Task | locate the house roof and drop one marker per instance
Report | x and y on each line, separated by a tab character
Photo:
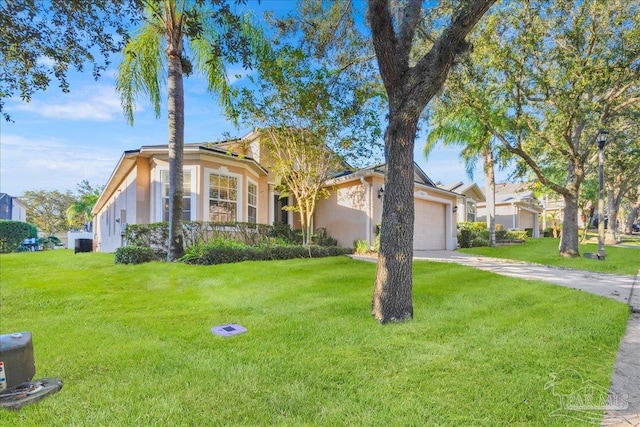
507	192
521	194
419	177
380	169
471	190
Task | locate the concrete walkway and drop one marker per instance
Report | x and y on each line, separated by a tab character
625	382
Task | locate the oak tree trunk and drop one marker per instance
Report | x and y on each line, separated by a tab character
409	89
569	241
392	299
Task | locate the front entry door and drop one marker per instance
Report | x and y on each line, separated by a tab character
280	214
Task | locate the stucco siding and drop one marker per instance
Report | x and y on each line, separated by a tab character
119	211
344	213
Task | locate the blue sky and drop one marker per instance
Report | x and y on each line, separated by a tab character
58	140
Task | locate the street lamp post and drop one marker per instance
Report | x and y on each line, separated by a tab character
602	140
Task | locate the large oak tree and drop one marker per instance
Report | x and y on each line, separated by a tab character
411	81
544	76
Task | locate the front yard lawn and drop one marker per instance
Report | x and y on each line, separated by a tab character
619	260
133	347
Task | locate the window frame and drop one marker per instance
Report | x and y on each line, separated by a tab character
471	202
250	183
159	211
223	172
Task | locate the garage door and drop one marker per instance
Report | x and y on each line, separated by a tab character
429	226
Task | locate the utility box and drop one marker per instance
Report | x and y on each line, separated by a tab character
83	245
17	369
16	360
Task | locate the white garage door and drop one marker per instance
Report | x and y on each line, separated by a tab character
429	226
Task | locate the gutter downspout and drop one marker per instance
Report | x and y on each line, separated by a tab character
369	209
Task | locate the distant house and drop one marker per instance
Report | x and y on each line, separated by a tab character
470	195
517	208
230	181
12	208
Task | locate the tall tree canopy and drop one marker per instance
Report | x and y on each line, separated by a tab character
176	39
544	76
314	100
48	209
79	213
452	123
42	40
411	80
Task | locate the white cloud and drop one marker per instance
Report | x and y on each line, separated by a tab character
95	103
50	164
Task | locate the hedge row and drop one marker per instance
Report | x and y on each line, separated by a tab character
12	233
225	252
474	234
156	235
135	255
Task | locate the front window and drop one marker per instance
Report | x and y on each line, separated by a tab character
223	198
186	201
252	203
471	210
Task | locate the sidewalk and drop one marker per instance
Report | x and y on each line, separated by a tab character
626	289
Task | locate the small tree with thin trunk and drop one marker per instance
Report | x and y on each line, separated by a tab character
303	162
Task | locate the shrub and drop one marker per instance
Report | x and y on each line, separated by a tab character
134	255
516	235
322	238
501	234
49	242
468	231
465	237
479	241
12	233
361	247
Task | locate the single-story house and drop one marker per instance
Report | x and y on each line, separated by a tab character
469	195
228	182
517	208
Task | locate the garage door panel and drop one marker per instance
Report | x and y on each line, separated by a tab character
429	226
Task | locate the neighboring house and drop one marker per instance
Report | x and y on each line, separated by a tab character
517	208
12	208
469	195
230	181
553	211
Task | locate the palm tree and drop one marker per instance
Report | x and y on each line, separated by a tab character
462	127
176	38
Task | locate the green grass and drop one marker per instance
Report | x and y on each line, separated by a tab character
133	347
619	260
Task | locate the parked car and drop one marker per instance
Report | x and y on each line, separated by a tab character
635	227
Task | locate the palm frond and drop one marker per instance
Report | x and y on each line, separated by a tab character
142	69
